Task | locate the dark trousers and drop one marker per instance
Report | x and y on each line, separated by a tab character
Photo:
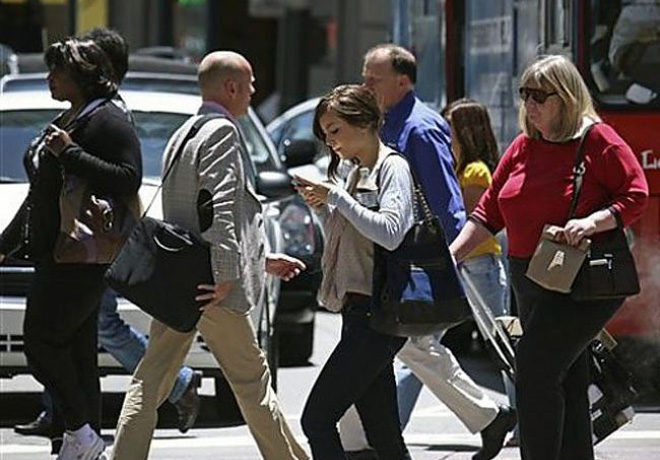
61	340
553	369
359	371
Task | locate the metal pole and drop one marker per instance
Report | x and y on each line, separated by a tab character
73	16
165	12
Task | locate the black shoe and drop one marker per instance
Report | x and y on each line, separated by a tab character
188	405
365	454
492	437
40	426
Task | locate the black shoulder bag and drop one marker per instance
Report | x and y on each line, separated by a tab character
416	288
608	271
161	264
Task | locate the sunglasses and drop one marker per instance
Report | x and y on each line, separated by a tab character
538	95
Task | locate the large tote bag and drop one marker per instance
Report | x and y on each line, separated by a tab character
93	227
416	288
159	269
162	264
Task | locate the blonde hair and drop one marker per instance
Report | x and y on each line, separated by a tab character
557	74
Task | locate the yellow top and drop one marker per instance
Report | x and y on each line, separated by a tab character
477	174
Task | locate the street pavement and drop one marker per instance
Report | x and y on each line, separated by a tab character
434	433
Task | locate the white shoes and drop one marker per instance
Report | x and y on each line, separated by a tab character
81	445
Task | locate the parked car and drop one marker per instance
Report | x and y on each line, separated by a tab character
157	115
7	60
302	234
293	136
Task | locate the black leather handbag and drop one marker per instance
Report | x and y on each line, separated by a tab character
608	270
159	269
161	265
416	288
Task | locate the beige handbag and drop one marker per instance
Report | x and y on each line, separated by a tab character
555	264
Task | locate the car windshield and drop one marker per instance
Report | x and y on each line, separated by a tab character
624	52
19	127
297	128
161	85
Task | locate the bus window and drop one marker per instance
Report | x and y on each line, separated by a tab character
557	29
624	52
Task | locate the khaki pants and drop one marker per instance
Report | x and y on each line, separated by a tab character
232	340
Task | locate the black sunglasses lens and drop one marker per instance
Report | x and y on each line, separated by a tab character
538	95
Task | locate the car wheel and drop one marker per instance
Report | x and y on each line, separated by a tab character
296	344
225	403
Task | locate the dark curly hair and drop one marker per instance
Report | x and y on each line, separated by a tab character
114	46
356	105
86	63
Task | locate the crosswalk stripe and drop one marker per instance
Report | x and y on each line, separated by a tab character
192	442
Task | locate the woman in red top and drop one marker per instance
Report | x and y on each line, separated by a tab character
531	187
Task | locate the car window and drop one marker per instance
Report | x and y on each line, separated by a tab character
256	146
154	130
298	127
161	85
17	130
134	83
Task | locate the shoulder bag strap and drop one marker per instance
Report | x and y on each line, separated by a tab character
424	208
579	168
197	125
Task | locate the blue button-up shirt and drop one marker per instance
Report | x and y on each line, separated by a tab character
423	136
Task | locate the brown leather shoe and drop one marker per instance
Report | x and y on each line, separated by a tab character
188	405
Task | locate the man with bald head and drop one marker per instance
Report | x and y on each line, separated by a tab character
210	169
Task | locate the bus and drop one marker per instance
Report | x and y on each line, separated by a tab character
478	49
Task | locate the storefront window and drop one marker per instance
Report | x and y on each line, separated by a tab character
190	29
624	52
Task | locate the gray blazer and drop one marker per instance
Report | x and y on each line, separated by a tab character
213	160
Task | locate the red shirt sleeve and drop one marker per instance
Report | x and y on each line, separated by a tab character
620	173
487	212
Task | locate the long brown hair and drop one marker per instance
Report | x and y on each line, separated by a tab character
472	132
356	105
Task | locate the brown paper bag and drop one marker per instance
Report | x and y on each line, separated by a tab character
555	264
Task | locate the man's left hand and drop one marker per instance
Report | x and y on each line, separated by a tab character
283	266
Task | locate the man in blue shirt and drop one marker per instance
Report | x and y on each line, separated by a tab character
423	136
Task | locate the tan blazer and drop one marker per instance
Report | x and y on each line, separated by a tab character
213	160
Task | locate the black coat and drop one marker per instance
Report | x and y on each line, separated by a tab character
105	152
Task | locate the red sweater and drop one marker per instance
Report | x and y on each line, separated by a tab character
532	186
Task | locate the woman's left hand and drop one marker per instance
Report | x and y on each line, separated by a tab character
576	229
315	194
57	139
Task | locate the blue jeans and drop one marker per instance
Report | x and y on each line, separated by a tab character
126	345
359	371
486	272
